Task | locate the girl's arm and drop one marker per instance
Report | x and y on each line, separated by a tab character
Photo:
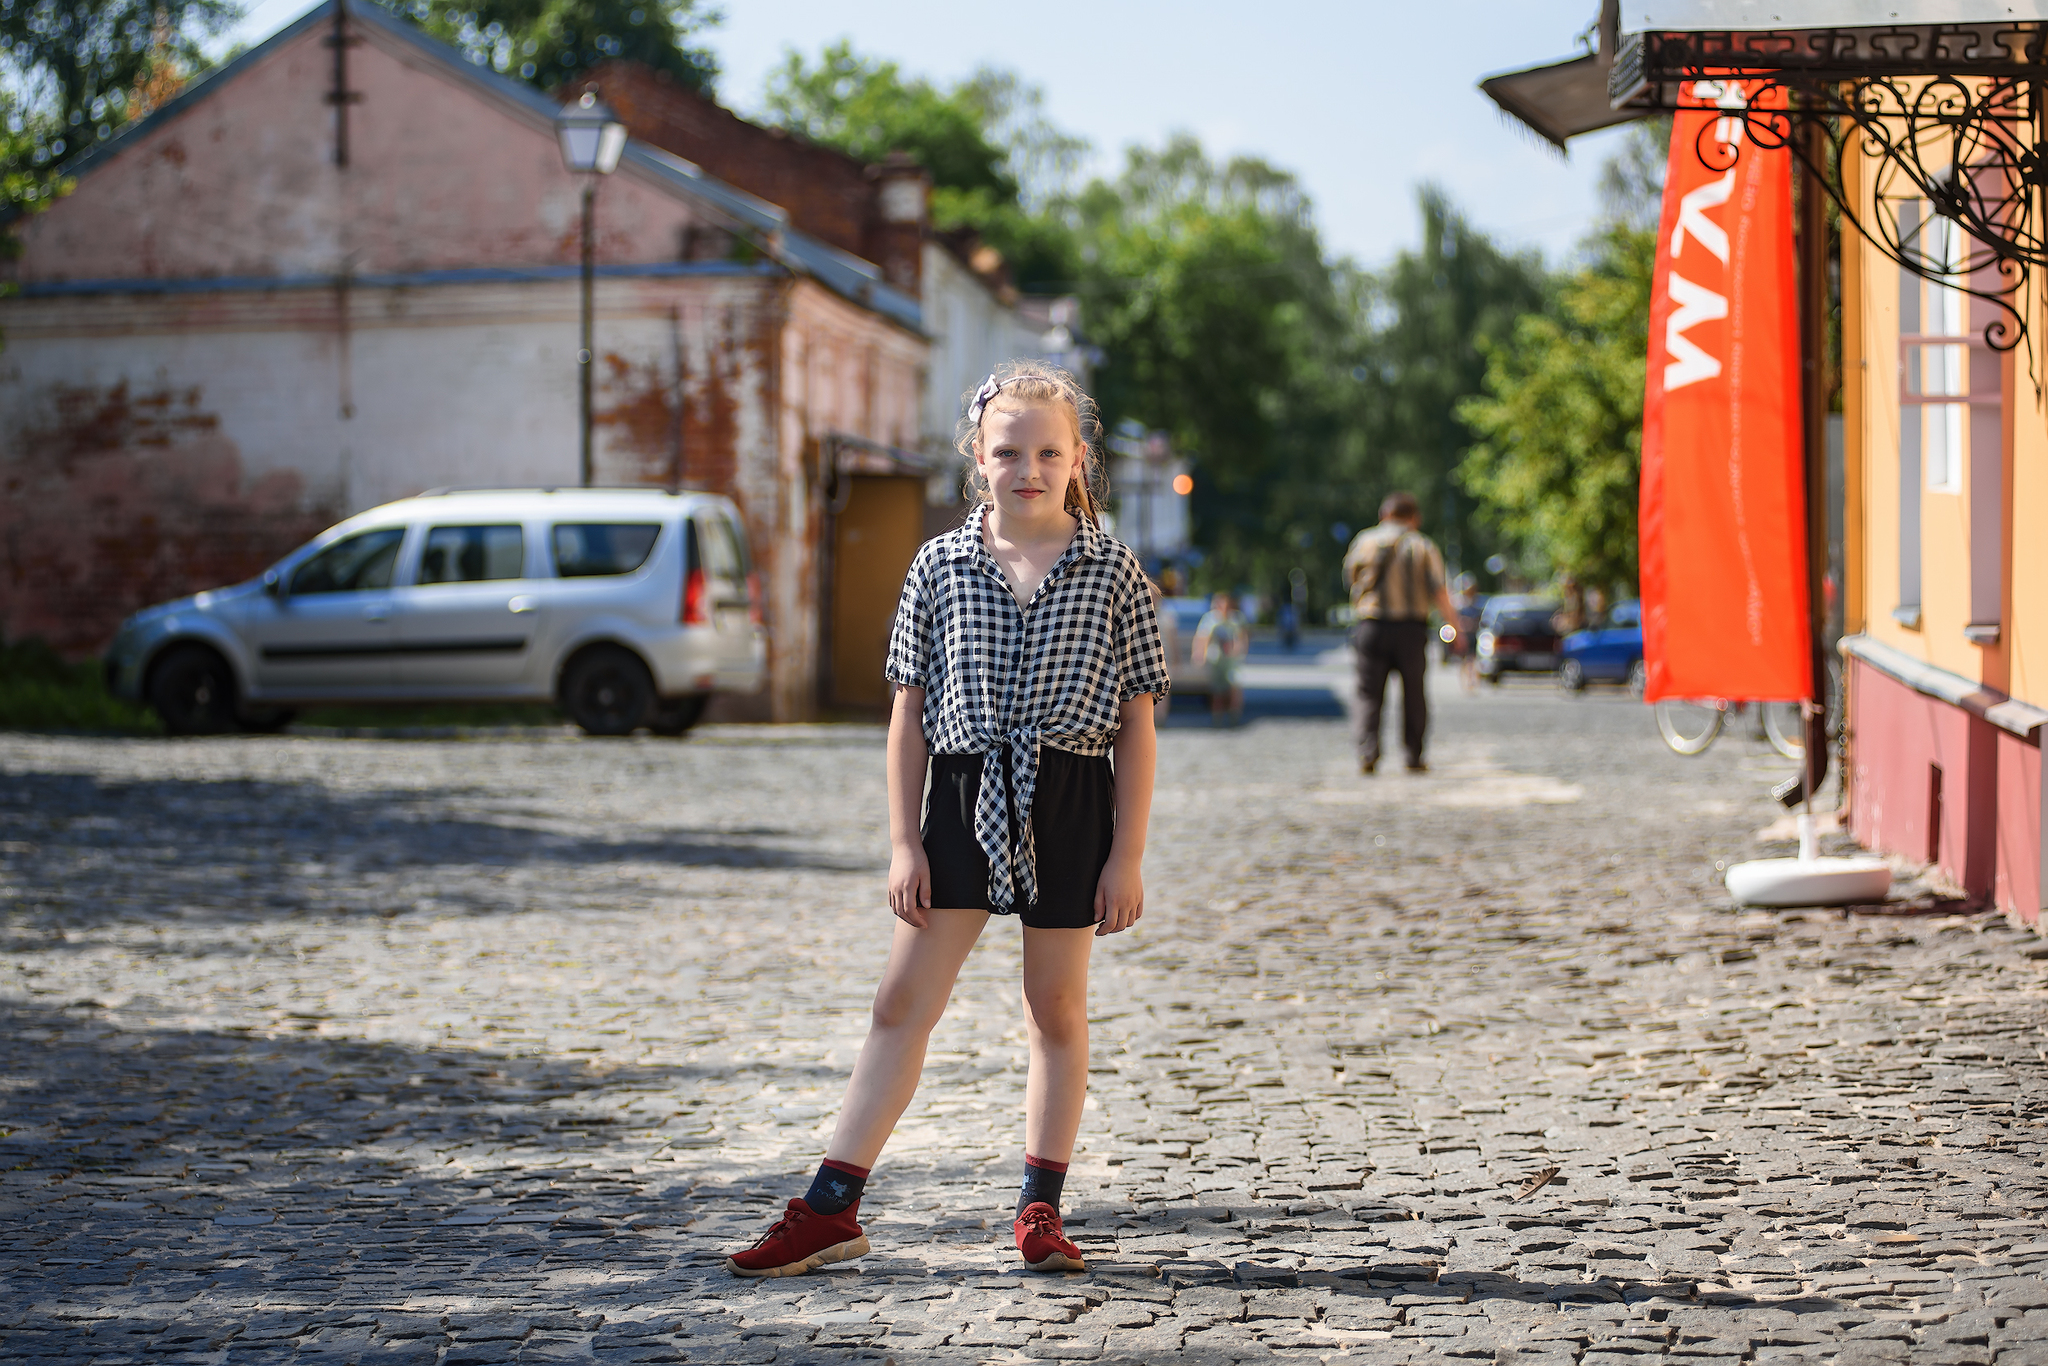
910	876
1120	895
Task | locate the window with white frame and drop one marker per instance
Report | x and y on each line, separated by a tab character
1945	365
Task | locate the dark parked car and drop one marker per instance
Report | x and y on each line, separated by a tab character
1515	636
1610	651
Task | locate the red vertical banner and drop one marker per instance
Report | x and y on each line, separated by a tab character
1723	522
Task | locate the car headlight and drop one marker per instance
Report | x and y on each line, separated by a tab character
1486	642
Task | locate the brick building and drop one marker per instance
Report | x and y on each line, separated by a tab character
885	502
308	286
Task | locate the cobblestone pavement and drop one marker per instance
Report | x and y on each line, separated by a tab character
483	1051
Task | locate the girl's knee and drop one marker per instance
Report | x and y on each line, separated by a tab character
1058	1017
899	1009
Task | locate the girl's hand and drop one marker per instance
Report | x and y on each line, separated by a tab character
1119	897
910	885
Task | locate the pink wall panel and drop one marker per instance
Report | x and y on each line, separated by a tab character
1899	737
2018	881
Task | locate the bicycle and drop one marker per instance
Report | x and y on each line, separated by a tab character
1690	725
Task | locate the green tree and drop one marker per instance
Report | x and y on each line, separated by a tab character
1561	422
1558	466
27	184
554	43
79	67
1424	327
866	107
996	163
1206	287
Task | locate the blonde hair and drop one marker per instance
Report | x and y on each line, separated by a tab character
1034	381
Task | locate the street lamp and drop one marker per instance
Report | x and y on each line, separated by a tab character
592	138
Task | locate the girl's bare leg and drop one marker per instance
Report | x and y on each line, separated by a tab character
915	987
1056	1012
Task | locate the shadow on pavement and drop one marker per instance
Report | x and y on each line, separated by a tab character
244	847
86	1093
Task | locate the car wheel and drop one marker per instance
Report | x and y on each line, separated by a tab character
676	715
193	690
1571	676
1638	678
607	691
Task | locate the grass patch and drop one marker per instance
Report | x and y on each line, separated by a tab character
40	691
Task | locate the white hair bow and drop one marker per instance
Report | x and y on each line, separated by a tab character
990	387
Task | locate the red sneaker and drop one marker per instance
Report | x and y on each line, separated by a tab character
1043	1242
801	1241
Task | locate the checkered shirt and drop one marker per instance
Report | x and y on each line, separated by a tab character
996	675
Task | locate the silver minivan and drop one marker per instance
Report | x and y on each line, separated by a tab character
627	607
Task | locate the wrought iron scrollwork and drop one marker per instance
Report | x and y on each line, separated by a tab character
1949	119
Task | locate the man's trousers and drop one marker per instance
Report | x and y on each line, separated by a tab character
1385	647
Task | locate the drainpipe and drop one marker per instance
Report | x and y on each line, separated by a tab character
1813	381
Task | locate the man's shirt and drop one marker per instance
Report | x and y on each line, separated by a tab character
1395	573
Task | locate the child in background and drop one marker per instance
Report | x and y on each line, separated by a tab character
1222	639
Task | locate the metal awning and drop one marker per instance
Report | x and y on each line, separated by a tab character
849	454
1561	100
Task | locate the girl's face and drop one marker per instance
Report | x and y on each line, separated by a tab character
1029	456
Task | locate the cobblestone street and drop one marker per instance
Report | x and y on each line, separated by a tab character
484	1050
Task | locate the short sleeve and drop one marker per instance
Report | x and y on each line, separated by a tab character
910	637
1140	654
1436	572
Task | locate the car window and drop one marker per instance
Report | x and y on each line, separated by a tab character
354	564
1524	623
738	531
1626	614
586	549
721	552
1518	614
470	554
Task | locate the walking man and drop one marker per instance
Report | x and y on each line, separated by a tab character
1396	575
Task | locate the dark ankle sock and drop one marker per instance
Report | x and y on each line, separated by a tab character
1043	1180
836	1186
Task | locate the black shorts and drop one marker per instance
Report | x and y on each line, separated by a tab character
1073	820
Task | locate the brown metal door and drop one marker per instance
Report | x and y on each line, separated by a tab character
873	542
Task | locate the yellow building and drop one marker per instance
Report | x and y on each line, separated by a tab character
1929	142
1946	598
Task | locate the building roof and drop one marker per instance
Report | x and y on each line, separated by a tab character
766	224
1560	100
1699	16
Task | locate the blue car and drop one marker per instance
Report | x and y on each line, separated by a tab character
1610	652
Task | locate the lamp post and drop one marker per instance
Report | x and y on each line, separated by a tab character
591	138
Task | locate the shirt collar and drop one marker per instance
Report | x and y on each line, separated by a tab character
964	541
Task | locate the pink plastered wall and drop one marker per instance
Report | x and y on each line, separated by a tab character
2017	885
1899	738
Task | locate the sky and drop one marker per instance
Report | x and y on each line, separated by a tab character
1363	100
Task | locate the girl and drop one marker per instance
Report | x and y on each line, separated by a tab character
1222	639
1025	652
